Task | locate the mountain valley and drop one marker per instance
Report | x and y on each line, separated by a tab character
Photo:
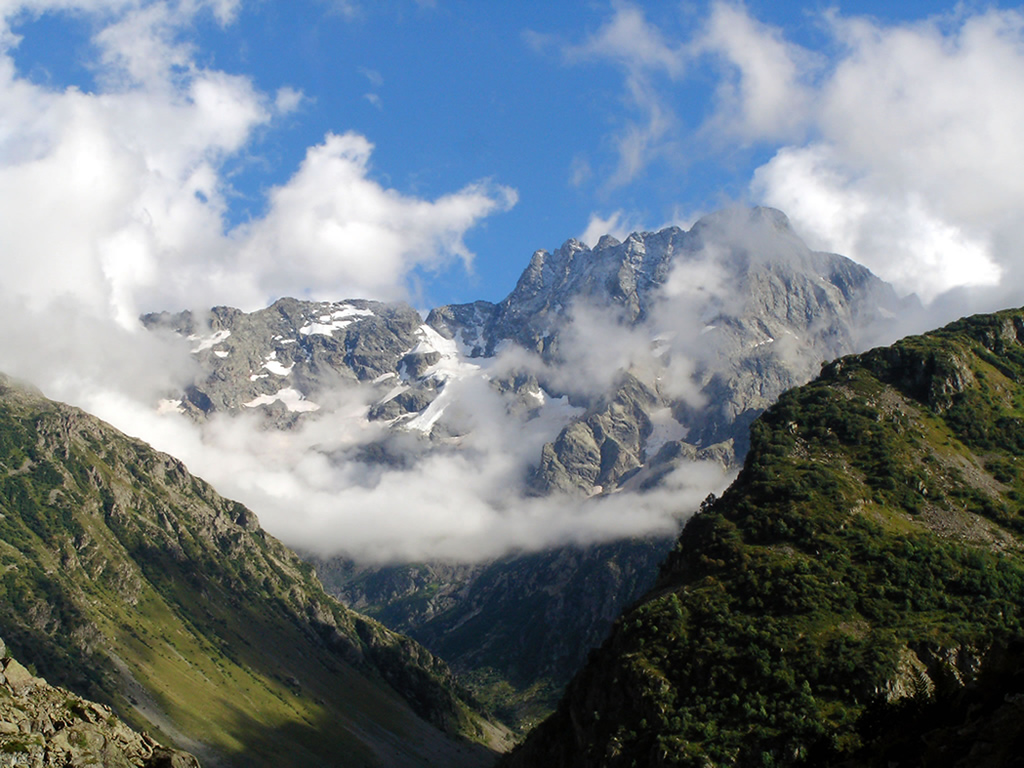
623	376
849	593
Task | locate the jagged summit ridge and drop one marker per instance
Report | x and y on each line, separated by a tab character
731	312
631	276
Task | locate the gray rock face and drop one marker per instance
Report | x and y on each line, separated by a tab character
41	725
691	335
290	353
767	312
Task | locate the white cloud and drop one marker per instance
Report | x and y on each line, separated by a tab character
619	225
761	95
288	100
331	231
895	144
631	40
375	78
914	168
119	197
898	238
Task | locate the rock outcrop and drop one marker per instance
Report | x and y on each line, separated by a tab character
49	727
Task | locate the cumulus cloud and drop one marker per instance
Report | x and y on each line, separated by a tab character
911	168
330	227
120	196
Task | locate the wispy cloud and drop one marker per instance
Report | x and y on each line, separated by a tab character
641	51
619	225
762	94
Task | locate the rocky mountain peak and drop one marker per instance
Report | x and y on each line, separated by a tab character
730	312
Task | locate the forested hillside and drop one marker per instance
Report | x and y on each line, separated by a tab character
858	585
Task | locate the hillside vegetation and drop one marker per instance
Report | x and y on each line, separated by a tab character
857	587
129	581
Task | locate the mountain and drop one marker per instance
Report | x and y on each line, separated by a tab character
852	599
715	322
129	581
625	364
44	725
738	302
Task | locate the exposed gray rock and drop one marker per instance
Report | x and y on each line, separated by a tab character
289	353
772	312
42	725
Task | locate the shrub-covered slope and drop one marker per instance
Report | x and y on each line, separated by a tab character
128	580
858	585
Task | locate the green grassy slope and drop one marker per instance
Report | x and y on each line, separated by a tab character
130	581
862	575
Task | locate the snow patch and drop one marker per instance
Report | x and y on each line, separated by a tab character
395	392
208	341
169	406
293	400
277	369
452	364
341	316
220	354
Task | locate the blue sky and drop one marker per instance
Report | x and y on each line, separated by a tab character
535	121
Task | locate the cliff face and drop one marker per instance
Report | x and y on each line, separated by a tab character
857	586
127	579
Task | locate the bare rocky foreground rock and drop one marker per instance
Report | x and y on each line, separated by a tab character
42	726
